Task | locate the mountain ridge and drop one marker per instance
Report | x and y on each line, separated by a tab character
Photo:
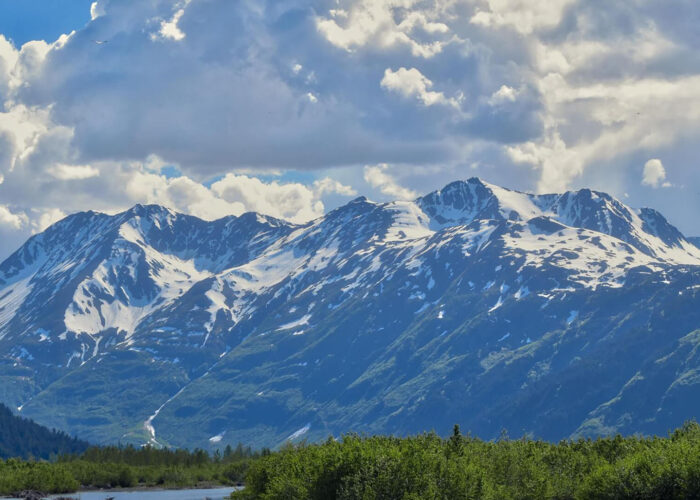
153	326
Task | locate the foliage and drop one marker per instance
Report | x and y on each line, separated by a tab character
379	467
23	438
125	467
427	466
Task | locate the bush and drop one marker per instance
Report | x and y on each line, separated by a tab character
427	466
112	467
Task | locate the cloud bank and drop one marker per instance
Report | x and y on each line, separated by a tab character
288	107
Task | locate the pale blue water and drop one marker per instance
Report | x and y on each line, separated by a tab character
214	494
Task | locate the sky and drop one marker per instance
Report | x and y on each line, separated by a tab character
294	107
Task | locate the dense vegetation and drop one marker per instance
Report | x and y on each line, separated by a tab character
429	467
372	468
125	467
23	438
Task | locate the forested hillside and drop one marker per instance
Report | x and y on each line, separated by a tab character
21	437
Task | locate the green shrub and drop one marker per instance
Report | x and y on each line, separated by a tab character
461	468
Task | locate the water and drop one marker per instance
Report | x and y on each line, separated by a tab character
214	494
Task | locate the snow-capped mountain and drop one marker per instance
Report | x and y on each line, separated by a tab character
556	315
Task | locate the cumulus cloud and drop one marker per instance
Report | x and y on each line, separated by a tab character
557	75
328	186
44	218
169	29
543	95
503	95
411	83
378	177
112	187
67	172
645	114
11	220
385	24
525	16
654	174
96	10
292	201
207	85
42	181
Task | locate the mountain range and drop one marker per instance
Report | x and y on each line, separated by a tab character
555	316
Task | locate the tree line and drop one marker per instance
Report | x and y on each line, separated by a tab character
126	467
21	437
426	466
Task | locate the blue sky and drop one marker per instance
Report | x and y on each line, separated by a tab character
26	20
293	107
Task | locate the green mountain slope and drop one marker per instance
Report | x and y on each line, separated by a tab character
21	437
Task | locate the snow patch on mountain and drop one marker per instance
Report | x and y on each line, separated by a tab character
304	320
409	222
127	286
95	275
11	298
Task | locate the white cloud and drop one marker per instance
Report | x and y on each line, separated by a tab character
82	129
42	177
40	173
503	95
525	16
11	220
411	83
96	10
582	53
654	174
170	29
8	60
329	186
21	127
645	114
182	194
293	201
385	24
378	177
19	65
234	194
45	218
70	172
186	101
600	101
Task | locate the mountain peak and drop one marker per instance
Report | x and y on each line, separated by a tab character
460	202
140	307
149	210
358	200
